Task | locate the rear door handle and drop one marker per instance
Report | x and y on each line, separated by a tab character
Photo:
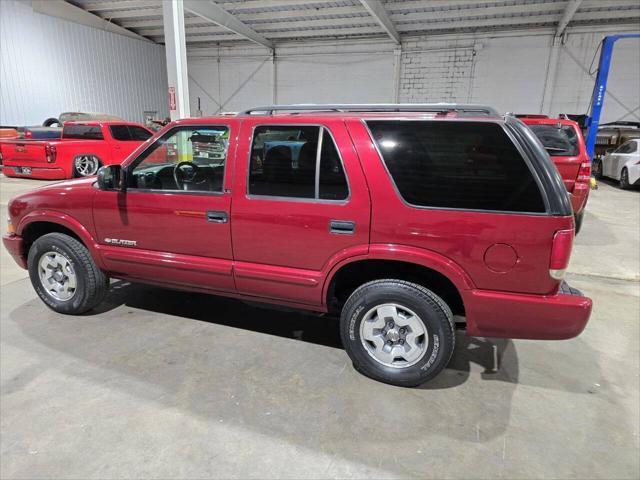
217	216
342	227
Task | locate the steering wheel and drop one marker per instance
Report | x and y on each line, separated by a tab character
185	173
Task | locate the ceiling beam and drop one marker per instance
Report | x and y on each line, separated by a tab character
377	11
119	5
569	12
218	15
158	23
128	14
69	12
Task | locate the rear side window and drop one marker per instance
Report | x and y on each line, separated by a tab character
559	141
82	132
464	165
126	133
629	147
296	162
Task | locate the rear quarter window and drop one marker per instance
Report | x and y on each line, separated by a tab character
458	165
82	132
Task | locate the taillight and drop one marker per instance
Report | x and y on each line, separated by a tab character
584	174
50	153
560	253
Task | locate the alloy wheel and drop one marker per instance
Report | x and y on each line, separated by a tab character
86	165
394	335
57	276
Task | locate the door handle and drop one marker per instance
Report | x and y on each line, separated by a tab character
342	227
217	216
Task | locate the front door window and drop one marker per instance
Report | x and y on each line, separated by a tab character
184	159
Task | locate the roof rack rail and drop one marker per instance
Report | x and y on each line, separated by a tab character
374	107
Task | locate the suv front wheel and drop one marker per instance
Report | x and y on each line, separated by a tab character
397	332
64	275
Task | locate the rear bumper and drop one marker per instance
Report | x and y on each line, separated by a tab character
36	172
15	247
579	197
543	317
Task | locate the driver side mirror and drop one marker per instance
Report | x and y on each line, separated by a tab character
112	177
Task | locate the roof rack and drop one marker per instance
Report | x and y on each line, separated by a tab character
374	107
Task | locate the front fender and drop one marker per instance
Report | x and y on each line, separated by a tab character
67	221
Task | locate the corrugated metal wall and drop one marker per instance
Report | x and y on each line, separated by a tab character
49	66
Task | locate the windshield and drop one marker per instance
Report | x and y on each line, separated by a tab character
558	140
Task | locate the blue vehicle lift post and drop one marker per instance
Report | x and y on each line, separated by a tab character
600	87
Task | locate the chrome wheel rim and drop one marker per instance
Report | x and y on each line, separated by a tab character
57	276
393	335
86	165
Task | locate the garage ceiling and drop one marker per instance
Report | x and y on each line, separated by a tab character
285	20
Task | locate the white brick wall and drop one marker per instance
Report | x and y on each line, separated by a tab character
507	71
435	71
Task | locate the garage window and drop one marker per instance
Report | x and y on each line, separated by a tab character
284	163
458	165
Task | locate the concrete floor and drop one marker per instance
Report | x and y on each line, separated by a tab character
162	384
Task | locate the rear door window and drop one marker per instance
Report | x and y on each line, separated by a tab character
82	132
296	162
128	133
456	164
559	141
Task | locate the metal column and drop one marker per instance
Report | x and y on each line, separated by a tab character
600	87
176	51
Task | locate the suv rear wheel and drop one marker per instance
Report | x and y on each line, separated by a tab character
64	275
397	332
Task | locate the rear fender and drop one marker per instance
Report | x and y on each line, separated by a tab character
403	253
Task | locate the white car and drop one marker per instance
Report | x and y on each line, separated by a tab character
623	164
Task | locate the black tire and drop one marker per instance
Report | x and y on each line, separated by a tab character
579	219
434	313
596	168
91	283
94	170
50	122
624	179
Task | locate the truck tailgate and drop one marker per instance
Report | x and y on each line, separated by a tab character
24	152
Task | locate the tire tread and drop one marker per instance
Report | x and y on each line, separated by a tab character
96	282
411	288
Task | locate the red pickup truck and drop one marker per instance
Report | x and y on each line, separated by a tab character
565	145
82	149
397	218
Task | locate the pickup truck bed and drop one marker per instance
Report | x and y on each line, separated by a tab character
83	148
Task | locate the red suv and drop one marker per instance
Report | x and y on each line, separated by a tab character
404	220
565	145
